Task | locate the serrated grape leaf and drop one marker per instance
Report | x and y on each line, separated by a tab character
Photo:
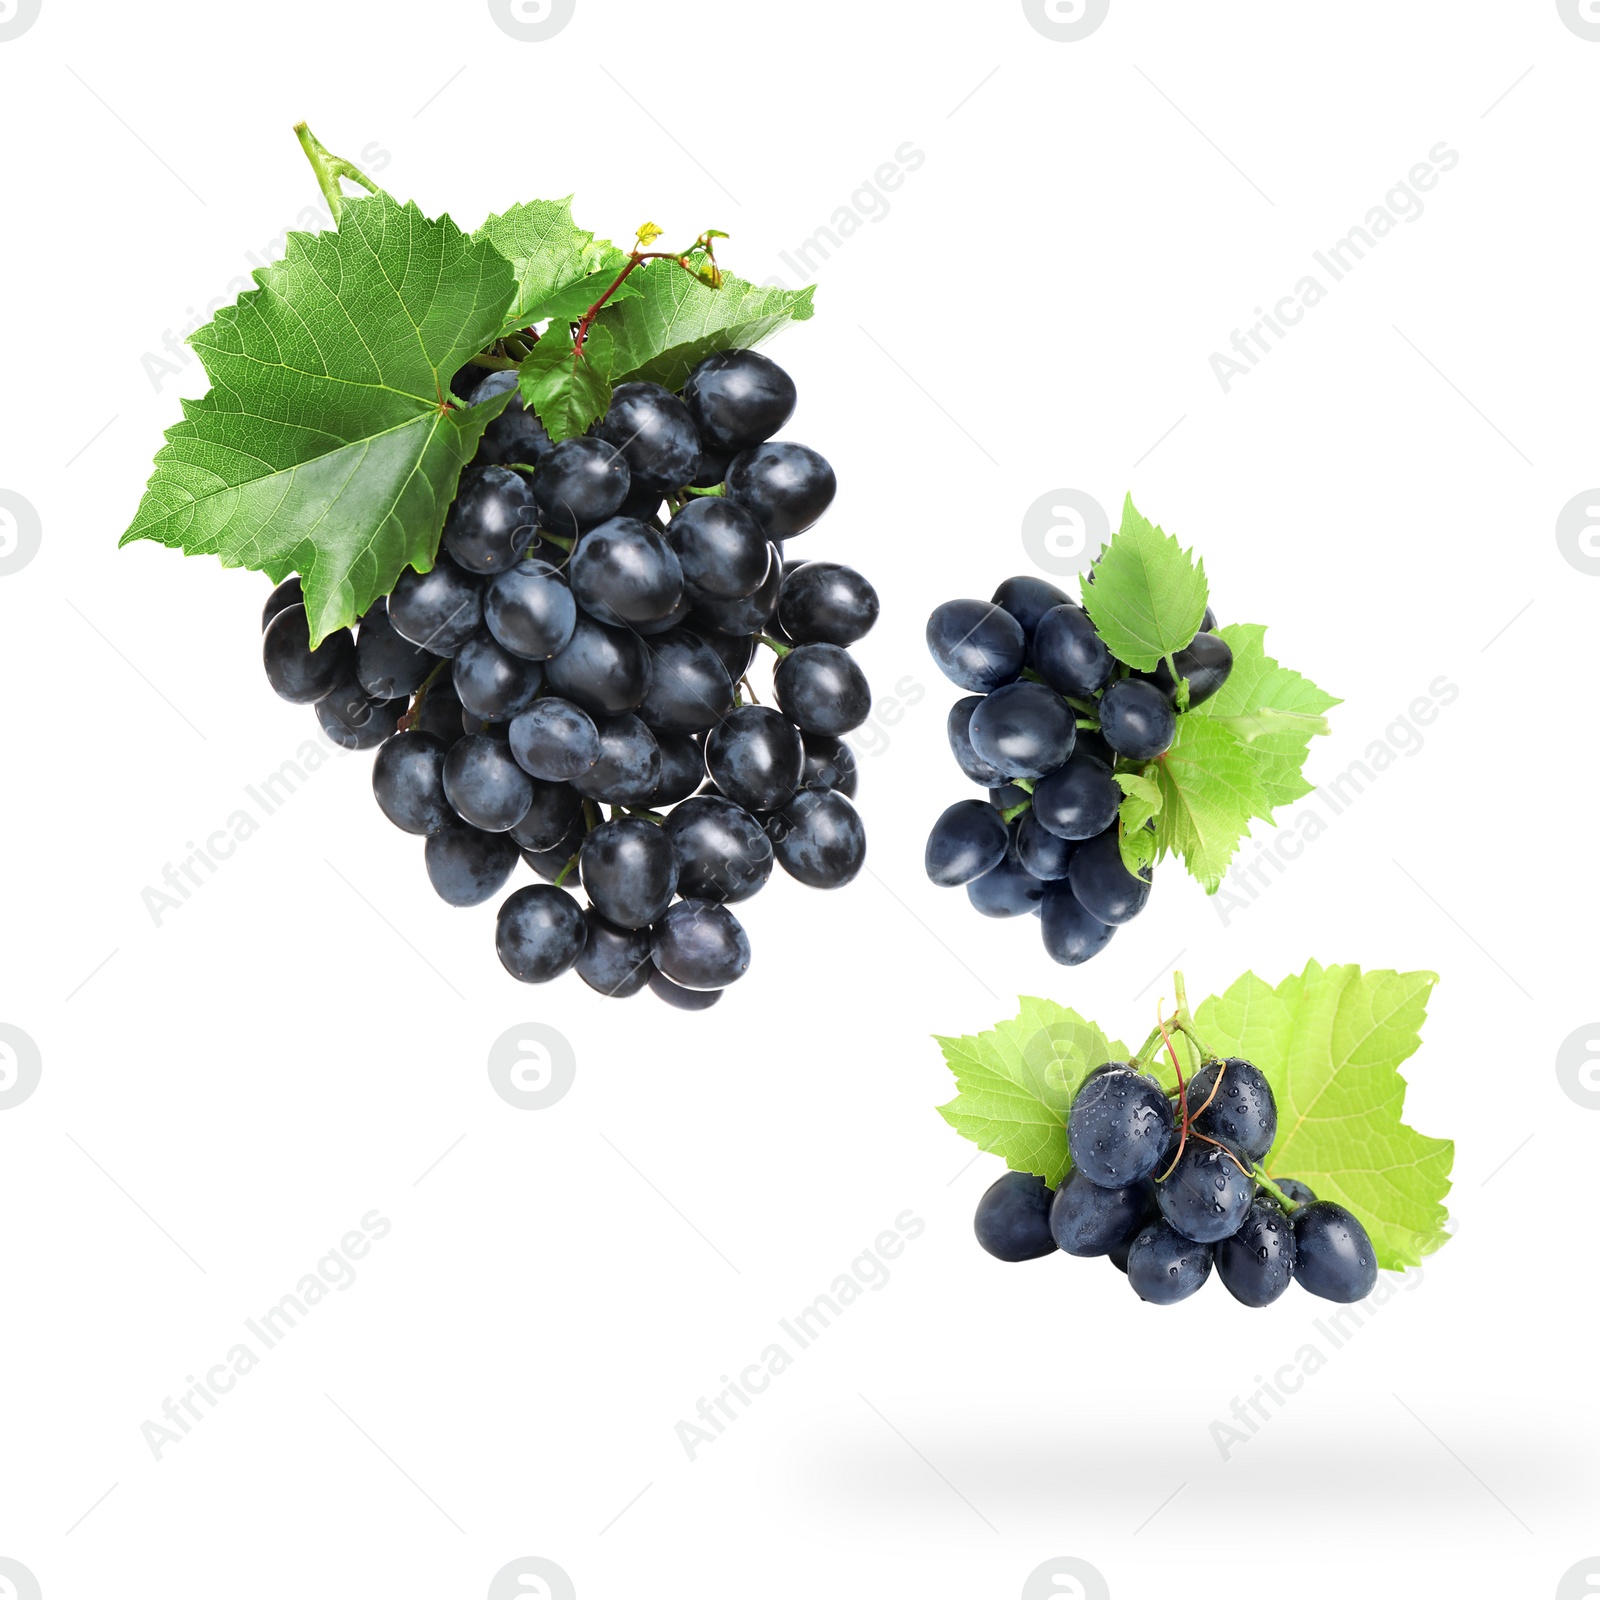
1016	1083
1137	844
325	445
568	304
1210	789
1148	597
676	321
1331	1042
547	251
1262	701
566	389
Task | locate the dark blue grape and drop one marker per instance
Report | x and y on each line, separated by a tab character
1117	1255
1023	730
1088	1220
976	644
1040	851
957	730
654	432
735	652
552	814
1164	1267
681	999
822	690
721	548
491	682
1008	796
554	740
1242	1114
822	602
1079	800
1297	1191
830	764
629	767
1207	1195
723	852
1068	654
968	840
819	839
530	610
755	757
1013	1218
1136	719
440	609
787	486
1257	1263
1027	599
551	864
689	687
1071	935
1104	886
1205	661
614	961
485	785
466	865
539	933
604	670
516	434
580	482
624	571
492	519
297	672
408	782
388	665
699	944
1118	1128
643	504
1334	1258
288	593
710	469
1008	890
439	712
738	398
354	720
629	871
751	614
683	768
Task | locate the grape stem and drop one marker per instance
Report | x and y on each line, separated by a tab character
706	272
566	871
330	170
1011	813
408	721
1181	1022
773	644
1260	1175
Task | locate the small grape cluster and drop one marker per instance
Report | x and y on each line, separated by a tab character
583	640
1052	718
1169	1185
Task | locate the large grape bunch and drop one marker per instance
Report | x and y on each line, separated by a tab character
566	687
1050	719
1169	1186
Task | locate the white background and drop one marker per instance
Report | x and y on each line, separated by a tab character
225	1095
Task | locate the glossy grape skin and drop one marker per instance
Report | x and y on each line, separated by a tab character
492	519
786	485
683	768
353	720
517	433
738	398
604	670
539	933
830	764
822	690
1040	851
676	996
1207	1195
579	483
818	839
1089	1220
654	432
408	782
1078	800
485	785
1206	661
699	944
1013	1218
441	712
976	644
467	866
689	687
1069	655
530	610
1023	730
1242	1114
751	614
624	571
553	811
491	682
288	593
614	961
1256	1264
735	652
968	840
1136	719
1164	1267
755	757
629	871
1117	1255
1008	890
1118	1128
1334	1258
388	665
957	726
1297	1191
554	740
440	609
629	767
1071	935
720	547
298	673
723	852
823	602
552	863
1104	886
1027	599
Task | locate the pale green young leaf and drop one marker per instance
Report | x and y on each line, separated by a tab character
1148	597
1210	789
547	251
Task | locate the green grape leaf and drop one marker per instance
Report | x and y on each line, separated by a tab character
1017	1081
1210	789
548	251
1331	1042
569	303
1148	597
676	321
567	390
327	444
1142	799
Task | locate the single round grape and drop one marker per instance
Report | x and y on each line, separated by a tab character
755	757
1118	1128
440	609
485	785
629	871
491	682
579	483
830	764
822	690
822	602
819	839
1257	1263
1078	800
643	504
1023	730
723	852
297	672
466	865
738	398
553	811
1207	1195
735	652
654	432
530	610
539	933
1013	1218
1069	655
1007	797
968	840
388	665
623	571
1089	1220
1297	1191
492	518
679	998
440	712
787	485
1242	1114
699	944
517	433
629	767
1136	719
354	720
614	961
1091	744
1040	851
958	730
1164	1267
1103	885
711	468
408	782
689	687
288	593
1205	661
551	864
1027	599
750	614
1334	1258
1008	890
721	548
604	670
683	768
1071	935
976	644
554	740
